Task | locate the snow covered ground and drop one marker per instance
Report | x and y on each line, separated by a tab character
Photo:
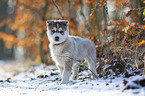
44	80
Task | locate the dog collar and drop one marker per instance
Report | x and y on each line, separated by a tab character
57	44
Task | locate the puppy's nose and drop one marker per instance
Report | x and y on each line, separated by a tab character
56	38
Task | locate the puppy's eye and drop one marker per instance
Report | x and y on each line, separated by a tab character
52	32
62	32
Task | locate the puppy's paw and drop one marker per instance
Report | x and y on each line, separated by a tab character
95	76
74	77
64	82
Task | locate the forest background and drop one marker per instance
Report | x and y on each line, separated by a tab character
117	27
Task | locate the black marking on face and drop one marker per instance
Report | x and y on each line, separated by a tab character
57	25
61	32
53	31
57	28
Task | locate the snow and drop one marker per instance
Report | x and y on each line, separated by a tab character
28	84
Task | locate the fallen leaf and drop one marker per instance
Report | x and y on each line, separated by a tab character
130	12
8	79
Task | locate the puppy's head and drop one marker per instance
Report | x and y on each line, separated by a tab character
57	31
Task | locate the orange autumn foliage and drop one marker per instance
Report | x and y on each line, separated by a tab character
9	39
98	5
38	59
140	43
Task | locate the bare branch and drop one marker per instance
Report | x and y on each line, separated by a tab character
58	9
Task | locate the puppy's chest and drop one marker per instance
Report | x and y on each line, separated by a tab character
60	53
58	50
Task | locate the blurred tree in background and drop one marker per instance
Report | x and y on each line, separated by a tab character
4	15
117	27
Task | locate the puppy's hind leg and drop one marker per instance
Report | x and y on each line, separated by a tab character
92	65
75	70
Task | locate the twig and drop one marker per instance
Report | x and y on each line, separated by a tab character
115	41
136	58
41	83
58	9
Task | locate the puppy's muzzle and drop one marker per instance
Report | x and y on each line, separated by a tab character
56	38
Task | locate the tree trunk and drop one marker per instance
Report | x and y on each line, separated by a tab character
105	11
142	10
43	33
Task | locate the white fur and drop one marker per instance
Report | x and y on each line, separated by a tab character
69	51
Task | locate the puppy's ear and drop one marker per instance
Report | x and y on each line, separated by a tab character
49	22
65	22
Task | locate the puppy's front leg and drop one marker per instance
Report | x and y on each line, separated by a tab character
60	69
67	71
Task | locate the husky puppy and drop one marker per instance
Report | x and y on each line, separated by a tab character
67	50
